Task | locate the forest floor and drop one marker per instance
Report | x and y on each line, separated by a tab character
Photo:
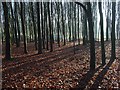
61	68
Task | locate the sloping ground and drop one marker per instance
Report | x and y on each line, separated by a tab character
112	76
59	69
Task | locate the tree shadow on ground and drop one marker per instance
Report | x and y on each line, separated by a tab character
101	75
83	82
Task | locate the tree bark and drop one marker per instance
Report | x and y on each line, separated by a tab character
46	25
58	24
14	26
42	26
7	33
17	22
78	27
39	31
102	35
23	29
35	34
91	34
113	53
63	24
91	37
51	41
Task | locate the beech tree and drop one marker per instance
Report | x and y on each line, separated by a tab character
39	30
102	35
91	34
113	53
23	28
51	39
35	34
7	32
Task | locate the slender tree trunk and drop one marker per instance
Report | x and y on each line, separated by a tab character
25	21
107	23
18	26
113	53
46	26
7	33
72	22
51	41
69	21
78	27
119	35
35	34
107	30
118	28
66	28
73	27
58	24
44	22
30	28
102	35
63	24
2	36
23	28
84	27
39	31
42	27
14	25
91	37
52	21
75	22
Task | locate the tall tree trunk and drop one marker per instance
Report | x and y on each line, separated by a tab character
69	21
25	21
52	21
17	22
7	33
39	31
72	22
102	35
91	37
63	24
23	28
51	40
2	35
118	29
42	27
30	28
119	35
46	26
84	29
35	34
75	21
14	25
107	23
58	24
107	30
78	27
113	53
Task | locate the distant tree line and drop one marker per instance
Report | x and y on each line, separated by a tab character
47	23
